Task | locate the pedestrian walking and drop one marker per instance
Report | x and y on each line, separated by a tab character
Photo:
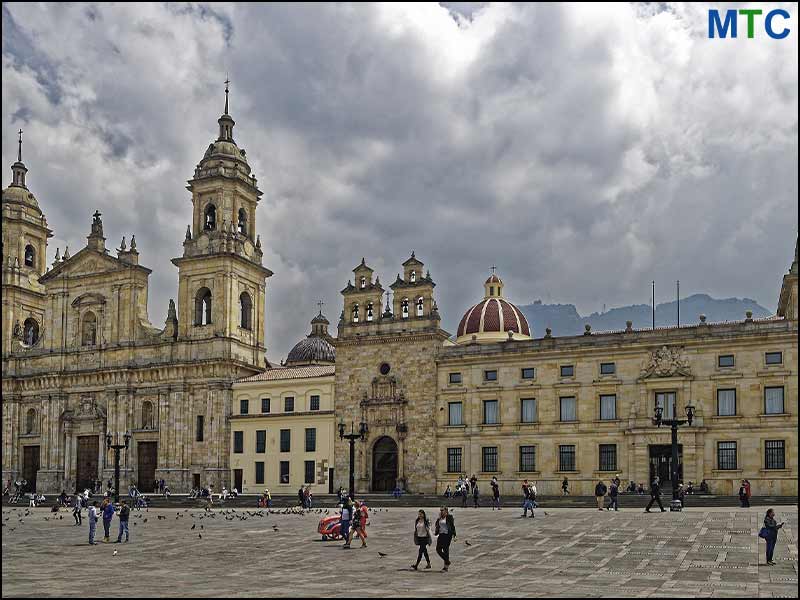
495	494
475	494
600	493
565	487
77	501
613	495
527	500
344	527
655	495
92	522
743	496
770	534
359	523
464	495
108	514
422	538
124	513
445	534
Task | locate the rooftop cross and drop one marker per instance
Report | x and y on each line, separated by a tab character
494	268
19	151
227	81
320	304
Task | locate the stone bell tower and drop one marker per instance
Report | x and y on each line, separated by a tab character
221	277
787	303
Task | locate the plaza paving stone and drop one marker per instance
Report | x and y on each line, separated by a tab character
704	553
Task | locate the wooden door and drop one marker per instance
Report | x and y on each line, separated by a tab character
88	454
30	466
147	454
237	479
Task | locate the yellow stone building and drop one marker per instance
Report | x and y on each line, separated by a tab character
81	359
283	425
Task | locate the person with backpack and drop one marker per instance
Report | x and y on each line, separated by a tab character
655	495
124	514
422	538
600	493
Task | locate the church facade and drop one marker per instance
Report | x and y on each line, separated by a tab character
81	359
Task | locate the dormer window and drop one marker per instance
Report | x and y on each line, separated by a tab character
369	311
413	276
210	221
404	308
242	221
420	306
355	313
363	282
30	256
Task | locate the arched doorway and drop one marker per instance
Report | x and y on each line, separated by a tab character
384	465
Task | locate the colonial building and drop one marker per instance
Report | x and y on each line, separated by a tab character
283	426
81	359
499	401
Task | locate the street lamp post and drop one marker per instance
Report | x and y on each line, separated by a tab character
116	448
658	421
352	437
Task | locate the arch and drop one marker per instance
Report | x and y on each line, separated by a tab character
420	306
355	312
245	311
210	217
363	281
242	223
370	311
413	276
404	308
202	307
30	256
384	464
30	332
89	329
147	415
30	421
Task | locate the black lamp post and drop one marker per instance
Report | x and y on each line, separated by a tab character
116	448
352	437
658	421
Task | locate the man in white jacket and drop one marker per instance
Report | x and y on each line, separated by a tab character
92	522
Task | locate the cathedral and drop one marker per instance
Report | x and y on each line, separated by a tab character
82	364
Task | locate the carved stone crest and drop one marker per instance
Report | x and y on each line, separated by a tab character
666	362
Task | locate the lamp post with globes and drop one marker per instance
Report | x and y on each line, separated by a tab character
352	437
658	421
116	447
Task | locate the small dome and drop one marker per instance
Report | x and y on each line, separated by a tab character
493	279
492	318
20	195
311	350
320	318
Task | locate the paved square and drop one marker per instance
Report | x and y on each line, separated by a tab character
568	552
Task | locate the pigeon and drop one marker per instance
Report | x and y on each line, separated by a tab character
201	527
193	526
381	554
467	543
145	521
200	535
115	553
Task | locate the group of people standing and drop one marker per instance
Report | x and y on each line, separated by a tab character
304	496
105	511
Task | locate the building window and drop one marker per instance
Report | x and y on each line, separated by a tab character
310	471
666	400
775	454
261	441
567	370
528	373
30	256
455	378
608	368
608	457
726	456
311	439
568	409
288	404
527	410
245	311
420	306
147	415
363	282
265	405
454	413
726	403
202	307
210	221
404	308
199	434
355	313
489	463
284	471
30	332
608	407
244	407
773	400
454	460
527	458
774	358
238	442
725	360
314	403
30	421
566	458
259	473
242	221
490	375
490	416
370	311
413	276
286	440
89	329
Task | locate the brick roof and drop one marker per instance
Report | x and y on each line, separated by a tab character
279	373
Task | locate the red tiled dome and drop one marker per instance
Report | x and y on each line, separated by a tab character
487	316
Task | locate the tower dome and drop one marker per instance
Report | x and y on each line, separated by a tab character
315	349
492	318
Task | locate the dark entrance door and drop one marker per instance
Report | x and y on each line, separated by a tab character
147	455
384	465
330	480
661	464
196	481
237	480
88	452
30	466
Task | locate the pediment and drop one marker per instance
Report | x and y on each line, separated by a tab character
87	262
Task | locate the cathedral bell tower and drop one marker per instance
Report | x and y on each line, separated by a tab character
221	277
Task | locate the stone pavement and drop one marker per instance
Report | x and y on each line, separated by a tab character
567	552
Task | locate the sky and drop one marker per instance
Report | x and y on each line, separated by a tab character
583	149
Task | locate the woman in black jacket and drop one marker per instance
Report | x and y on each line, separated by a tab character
445	533
772	526
422	538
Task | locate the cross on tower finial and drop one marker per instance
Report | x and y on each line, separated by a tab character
227	81
494	268
19	151
320	304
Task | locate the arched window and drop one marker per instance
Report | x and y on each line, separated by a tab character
147	415
30	331
245	311
30	421
363	282
413	276
30	256
210	221
242	221
370	312
420	306
202	307
404	308
355	313
89	329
